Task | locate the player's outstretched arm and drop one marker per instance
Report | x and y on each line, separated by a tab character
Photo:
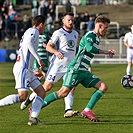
110	52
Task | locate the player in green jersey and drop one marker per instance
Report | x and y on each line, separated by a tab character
43	40
77	71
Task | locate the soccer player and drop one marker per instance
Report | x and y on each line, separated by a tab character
40	73
128	42
63	47
23	70
77	71
43	40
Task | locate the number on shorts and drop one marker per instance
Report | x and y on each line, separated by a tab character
51	77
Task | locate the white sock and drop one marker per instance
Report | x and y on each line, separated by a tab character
8	100
32	96
69	101
128	70
36	106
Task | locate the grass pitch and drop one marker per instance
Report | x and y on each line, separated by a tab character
115	109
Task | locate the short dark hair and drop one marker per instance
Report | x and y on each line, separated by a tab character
102	19
38	19
68	13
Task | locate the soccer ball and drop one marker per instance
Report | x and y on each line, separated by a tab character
127	81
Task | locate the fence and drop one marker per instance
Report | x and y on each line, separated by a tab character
116	44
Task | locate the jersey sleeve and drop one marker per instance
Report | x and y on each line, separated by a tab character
54	39
31	44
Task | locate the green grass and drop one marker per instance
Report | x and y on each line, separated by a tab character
115	109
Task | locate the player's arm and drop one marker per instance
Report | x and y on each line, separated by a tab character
91	48
126	44
110	52
31	47
50	48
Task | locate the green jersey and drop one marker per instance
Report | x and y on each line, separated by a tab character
43	39
87	49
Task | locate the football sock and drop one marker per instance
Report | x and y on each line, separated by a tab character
8	100
50	98
36	106
68	101
32	96
128	70
94	99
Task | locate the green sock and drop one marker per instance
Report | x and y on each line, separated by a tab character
94	99
50	98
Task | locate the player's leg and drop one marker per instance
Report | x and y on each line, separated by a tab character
22	93
68	105
47	86
129	68
40	74
64	91
129	61
37	102
101	88
55	95
14	98
29	100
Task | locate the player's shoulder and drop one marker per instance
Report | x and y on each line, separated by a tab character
58	31
128	33
90	34
32	31
75	32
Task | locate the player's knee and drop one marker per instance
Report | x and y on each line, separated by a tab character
22	98
63	92
103	87
22	95
47	87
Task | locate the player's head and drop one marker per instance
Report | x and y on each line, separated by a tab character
101	25
39	22
68	21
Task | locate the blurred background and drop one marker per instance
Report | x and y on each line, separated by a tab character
16	15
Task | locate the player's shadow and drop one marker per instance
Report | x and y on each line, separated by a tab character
111	119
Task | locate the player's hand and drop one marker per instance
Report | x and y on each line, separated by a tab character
44	45
129	46
59	55
111	53
41	63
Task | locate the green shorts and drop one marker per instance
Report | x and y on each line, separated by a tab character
36	65
74	77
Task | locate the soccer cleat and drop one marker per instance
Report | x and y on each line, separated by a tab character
89	115
71	113
34	121
25	104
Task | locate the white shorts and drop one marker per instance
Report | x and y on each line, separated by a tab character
25	79
130	55
55	73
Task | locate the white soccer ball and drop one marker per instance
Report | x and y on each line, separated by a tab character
127	81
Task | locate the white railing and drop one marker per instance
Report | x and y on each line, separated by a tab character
117	44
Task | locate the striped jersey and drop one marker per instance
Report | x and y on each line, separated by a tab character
66	43
28	49
43	40
87	49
